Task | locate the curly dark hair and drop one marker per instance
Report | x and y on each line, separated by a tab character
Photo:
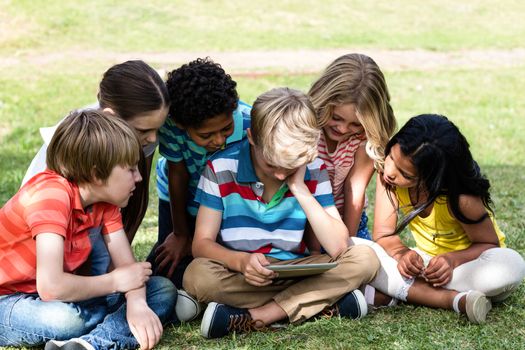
200	90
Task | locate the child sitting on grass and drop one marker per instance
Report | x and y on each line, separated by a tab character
44	238
460	261
205	116
256	198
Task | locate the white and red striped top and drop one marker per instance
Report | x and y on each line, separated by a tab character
339	163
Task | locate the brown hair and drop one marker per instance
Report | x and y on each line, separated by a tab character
88	144
131	89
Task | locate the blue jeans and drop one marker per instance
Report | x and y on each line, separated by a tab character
26	320
362	231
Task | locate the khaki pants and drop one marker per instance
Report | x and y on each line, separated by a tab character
209	280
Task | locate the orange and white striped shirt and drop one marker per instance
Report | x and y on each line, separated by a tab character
338	163
48	203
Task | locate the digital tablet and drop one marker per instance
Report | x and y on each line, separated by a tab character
288	271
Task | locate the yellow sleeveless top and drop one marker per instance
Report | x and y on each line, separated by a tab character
439	232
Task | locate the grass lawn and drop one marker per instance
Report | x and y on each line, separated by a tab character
487	104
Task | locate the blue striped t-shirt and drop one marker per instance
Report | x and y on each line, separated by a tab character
229	184
175	146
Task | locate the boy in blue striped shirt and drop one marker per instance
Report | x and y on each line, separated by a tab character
256	198
205	115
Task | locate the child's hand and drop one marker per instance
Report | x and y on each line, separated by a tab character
254	271
144	324
296	180
131	276
410	264
171	251
439	270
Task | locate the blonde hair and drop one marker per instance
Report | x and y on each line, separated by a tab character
356	79
89	144
285	127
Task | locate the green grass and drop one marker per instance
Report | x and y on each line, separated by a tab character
146	26
487	104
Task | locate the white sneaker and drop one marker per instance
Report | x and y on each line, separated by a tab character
72	344
477	306
187	308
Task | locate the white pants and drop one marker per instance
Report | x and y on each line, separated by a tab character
496	273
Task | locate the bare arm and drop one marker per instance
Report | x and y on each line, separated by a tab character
385	221
409	262
482	235
55	284
177	243
326	223
355	186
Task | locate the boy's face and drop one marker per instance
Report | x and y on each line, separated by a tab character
263	167
120	185
213	132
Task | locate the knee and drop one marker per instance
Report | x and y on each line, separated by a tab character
200	280
365	257
65	320
162	287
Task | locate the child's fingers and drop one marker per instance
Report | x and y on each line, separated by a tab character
257	281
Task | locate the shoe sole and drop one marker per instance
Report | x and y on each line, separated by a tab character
361	304
207	319
187	308
477	307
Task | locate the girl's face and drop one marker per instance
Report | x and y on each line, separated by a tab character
213	132
399	169
343	123
148	123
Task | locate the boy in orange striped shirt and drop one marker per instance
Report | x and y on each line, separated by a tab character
45	237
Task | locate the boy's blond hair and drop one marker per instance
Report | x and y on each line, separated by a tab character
285	127
88	144
356	79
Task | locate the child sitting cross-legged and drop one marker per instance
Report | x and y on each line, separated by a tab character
257	197
45	238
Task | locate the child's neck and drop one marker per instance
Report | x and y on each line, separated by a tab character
331	145
419	197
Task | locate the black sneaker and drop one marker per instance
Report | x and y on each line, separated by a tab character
352	305
219	320
73	344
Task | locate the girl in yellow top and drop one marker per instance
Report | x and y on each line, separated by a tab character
460	261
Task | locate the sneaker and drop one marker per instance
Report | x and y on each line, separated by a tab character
351	305
187	307
219	320
477	306
72	344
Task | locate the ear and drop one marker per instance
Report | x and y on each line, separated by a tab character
109	111
249	136
180	126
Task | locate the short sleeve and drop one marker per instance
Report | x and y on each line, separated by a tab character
208	191
48	209
170	140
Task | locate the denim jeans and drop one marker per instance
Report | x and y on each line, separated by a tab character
362	230
26	320
165	228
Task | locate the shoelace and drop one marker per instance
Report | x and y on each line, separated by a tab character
330	311
244	323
